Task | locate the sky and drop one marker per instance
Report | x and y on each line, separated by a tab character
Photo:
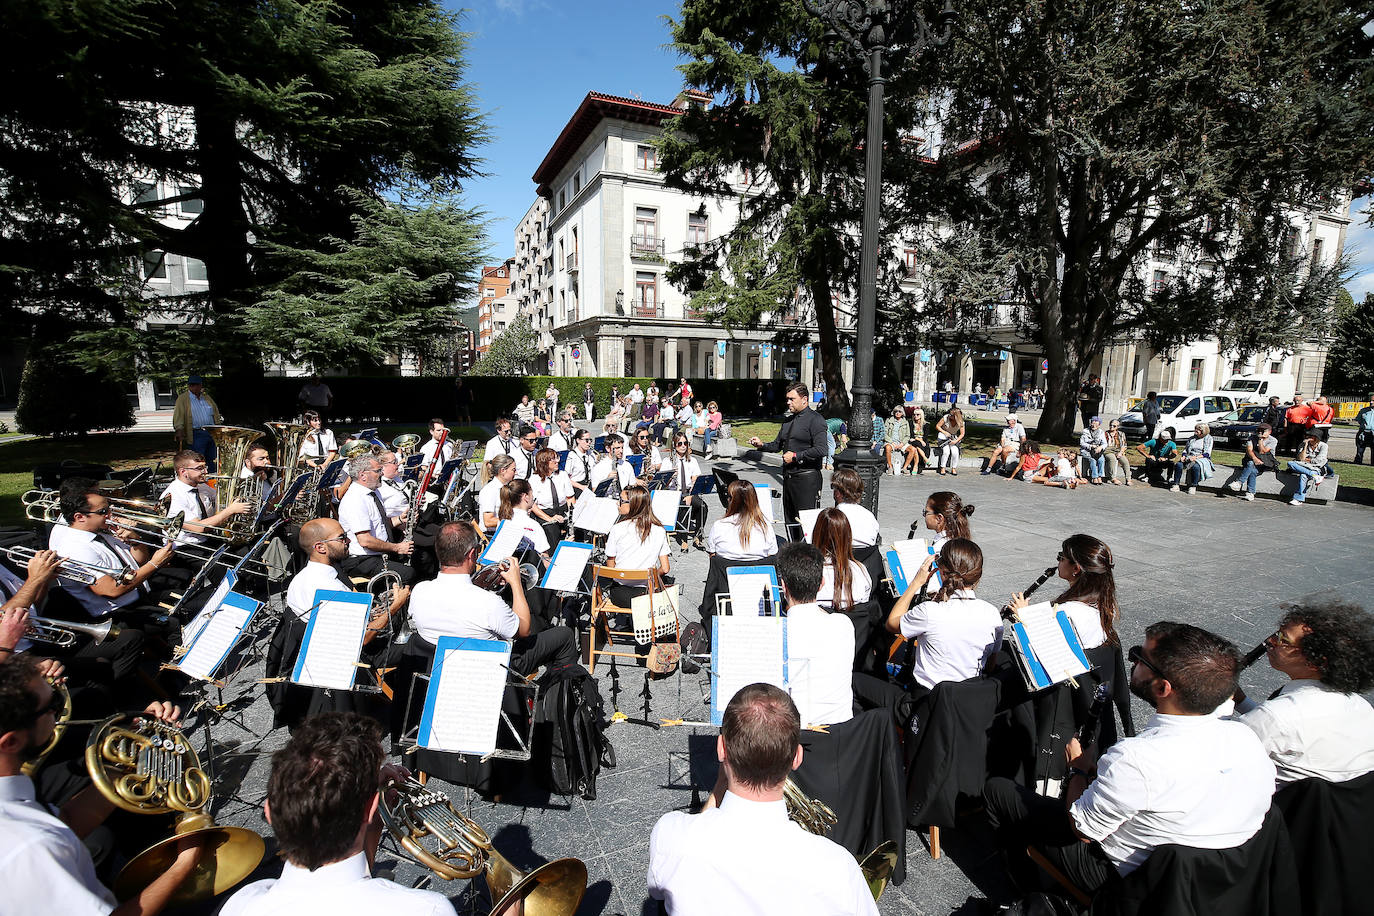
532	61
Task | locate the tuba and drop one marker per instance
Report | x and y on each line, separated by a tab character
405	445
233	443
458	849
289	437
148	767
815	816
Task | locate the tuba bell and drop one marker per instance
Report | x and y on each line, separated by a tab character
148	767
289	438
405	445
233	443
815	816
452	846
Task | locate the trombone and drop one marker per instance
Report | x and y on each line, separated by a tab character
72	570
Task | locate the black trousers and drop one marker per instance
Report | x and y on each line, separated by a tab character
800	490
554	646
1022	818
368	566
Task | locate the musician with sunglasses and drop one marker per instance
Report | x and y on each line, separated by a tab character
1188	778
686	470
524	454
189	494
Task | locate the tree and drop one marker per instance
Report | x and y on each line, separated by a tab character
512	352
62	394
1080	136
1350	366
277	120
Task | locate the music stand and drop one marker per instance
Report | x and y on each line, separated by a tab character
603	489
723	480
410	741
329	477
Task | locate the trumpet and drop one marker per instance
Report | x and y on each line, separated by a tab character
62	633
72	570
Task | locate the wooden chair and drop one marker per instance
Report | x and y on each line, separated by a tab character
603	606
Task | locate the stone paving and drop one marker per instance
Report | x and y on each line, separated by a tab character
1219	562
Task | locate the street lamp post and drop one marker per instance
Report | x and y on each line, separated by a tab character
868	27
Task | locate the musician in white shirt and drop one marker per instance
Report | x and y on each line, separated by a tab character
395	499
325	545
44	867
637	541
1318	725
579	463
368	527
554	495
561	439
641	445
87	537
189	494
744	532
613	465
686	470
430	448
501	443
502	470
528	438
845	581
820	644
319	447
330	772
707	864
517	499
848	488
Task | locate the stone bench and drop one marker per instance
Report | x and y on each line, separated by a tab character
1283	485
725	446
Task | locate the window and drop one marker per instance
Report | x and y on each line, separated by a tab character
646	225
1215	405
697	230
646	158
646	293
195	270
577	183
155	265
1161	281
499	307
145	192
562	257
1275	367
489	292
909	261
192	205
1195	375
1191	408
562	199
1316	252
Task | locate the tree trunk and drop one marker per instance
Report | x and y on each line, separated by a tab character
836	394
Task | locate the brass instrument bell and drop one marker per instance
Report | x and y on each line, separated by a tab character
405	445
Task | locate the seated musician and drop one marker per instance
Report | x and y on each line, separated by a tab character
502	470
580	462
613	466
371	534
190	494
517	500
637	541
326	546
561	439
450	605
44	867
641	443
1090	600
820	645
431	448
554	495
744	532
527	439
319	447
87	537
686	470
501	443
845	581
1188	778
330	774
708	862
848	488
1318	724
395	500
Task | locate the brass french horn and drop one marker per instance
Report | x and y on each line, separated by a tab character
148	767
815	816
454	847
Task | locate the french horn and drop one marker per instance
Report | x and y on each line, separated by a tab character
147	766
815	816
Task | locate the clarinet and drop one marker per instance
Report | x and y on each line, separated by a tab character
1044	577
1254	655
1087	733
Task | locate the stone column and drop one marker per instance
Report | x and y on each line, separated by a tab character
670	359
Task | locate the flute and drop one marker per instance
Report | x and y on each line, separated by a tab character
1044	577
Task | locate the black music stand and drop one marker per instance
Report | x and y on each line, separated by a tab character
723	480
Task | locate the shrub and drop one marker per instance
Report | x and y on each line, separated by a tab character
57	397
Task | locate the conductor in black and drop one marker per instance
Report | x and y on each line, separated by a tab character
803	445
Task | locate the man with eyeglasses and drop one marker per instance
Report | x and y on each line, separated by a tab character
1188	778
1318	725
371	532
191	495
44	866
803	445
502	443
561	439
613	467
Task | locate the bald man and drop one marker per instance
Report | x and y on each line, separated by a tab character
325	544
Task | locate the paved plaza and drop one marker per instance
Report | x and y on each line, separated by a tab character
1221	563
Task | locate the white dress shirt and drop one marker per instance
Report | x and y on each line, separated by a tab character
579	467
708	864
956	637
300	594
394	498
860	584
862	524
688	469
358	512
450	605
197	502
428	449
531	527
524	462
602	472
318	445
489	501
629	551
1198	781
560	442
544	488
1309	729
1087	621
44	868
101	549
724	541
653	459
498	446
341	888
820	664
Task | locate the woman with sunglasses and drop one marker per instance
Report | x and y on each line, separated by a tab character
580	462
641	443
1117	464
1090	600
554	496
637	541
686	470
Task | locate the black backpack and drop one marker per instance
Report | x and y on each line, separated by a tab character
569	731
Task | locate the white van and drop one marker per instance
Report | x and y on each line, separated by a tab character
1258	389
1180	411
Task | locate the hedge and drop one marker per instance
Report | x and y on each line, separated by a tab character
59	398
394	399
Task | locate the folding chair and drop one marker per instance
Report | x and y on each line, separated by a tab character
603	606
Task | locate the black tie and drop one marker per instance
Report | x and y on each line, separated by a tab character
682	474
390	528
505	446
557	503
586	471
529	463
200	501
110	541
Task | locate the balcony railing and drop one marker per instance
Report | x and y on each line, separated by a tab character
572	262
646	310
643	248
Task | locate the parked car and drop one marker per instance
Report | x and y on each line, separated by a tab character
1235	428
1180	411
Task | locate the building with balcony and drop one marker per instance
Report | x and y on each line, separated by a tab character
495	305
593	281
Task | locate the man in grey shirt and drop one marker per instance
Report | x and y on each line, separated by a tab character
1259	457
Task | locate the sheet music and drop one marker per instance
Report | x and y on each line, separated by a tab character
503	543
1050	643
765	498
665	504
808	522
463	704
217	638
566	566
596	513
333	639
207	610
744	651
746	585
911	554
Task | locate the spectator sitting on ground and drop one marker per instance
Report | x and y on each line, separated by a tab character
1029	461
1310	466
1060	472
1259	457
1160	454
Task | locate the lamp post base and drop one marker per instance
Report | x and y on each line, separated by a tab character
859	457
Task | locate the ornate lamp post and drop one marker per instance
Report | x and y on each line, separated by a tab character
869	27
